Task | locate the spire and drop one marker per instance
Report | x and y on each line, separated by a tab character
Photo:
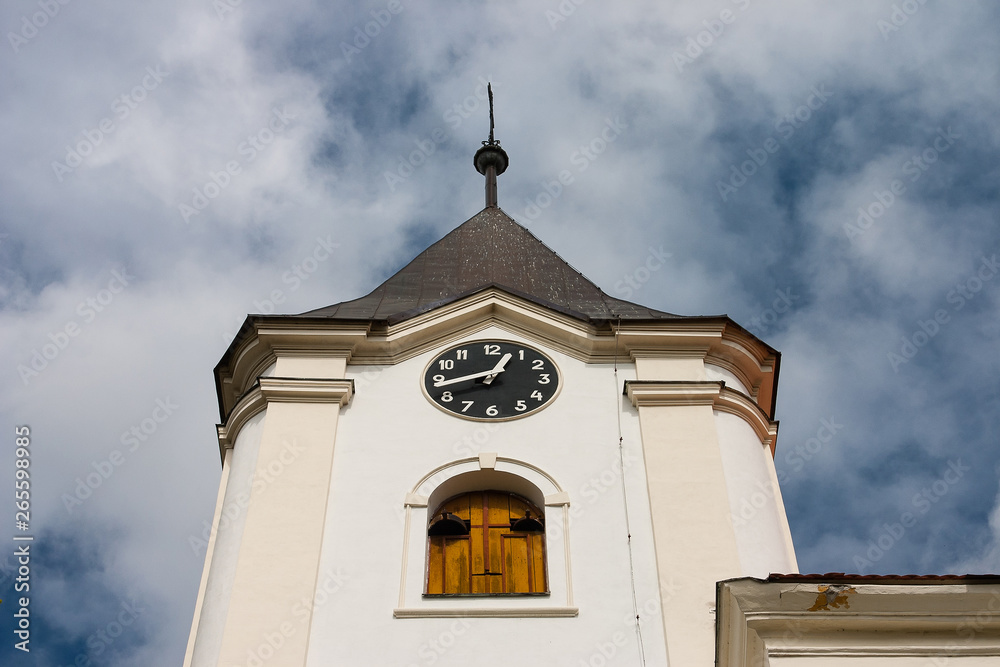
490	159
488	250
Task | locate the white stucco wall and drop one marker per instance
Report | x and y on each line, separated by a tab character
391	436
713	372
754	499
227	543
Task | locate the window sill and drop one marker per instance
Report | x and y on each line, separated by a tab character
495	612
433	596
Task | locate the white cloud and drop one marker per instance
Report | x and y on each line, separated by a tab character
324	174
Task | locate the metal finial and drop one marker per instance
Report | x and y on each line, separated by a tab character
489	91
491	160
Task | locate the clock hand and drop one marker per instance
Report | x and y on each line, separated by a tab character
499	368
474	376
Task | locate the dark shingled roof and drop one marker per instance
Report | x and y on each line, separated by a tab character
488	250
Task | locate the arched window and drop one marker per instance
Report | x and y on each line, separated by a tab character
486	543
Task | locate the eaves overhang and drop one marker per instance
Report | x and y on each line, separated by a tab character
593	340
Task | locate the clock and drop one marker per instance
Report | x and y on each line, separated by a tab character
491	380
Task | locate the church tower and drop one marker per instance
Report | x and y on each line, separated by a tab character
487	460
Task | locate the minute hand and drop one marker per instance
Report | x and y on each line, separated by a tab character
493	371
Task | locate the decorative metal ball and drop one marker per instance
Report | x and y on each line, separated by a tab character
490	155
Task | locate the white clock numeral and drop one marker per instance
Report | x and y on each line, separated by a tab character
469	376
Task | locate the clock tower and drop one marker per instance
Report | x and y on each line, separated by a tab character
487	460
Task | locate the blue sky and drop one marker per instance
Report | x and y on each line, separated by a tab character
824	173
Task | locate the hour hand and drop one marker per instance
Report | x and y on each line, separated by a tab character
499	368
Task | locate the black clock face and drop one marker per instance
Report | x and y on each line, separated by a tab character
491	380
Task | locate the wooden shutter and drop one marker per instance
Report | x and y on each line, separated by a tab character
491	559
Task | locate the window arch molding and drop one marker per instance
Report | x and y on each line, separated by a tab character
487	471
480	480
534	483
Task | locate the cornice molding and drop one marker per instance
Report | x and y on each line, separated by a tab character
738	371
306	390
658	393
932	621
287	390
693	352
367	343
247	407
